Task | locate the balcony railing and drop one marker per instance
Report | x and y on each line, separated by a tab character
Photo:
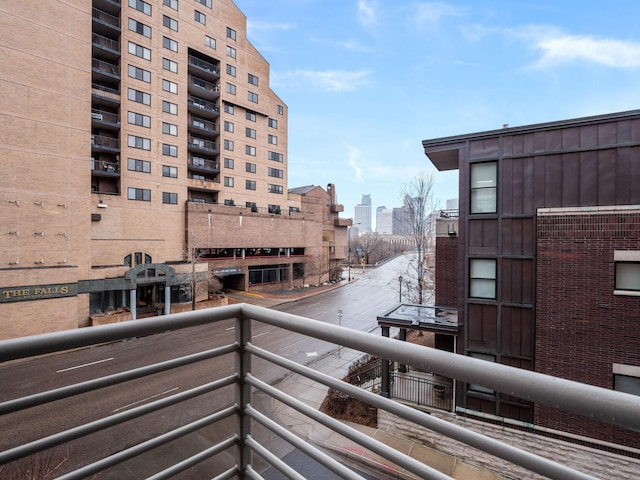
606	405
204	65
201	144
105	67
106	43
106	18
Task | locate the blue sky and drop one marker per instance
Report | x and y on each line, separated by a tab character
367	80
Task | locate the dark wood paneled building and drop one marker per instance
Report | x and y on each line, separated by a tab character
548	264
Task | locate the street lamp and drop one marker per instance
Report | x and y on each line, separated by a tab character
400	282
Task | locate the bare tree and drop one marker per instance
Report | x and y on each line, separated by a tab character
40	466
369	244
418	206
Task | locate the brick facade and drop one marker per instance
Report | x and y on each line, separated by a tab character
447	271
582	328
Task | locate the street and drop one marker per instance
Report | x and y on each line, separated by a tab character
372	293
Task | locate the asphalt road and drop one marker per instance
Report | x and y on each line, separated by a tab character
373	293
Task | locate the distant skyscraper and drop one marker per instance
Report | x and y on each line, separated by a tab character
384	221
363	214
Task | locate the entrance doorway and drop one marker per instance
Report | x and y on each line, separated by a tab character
147	300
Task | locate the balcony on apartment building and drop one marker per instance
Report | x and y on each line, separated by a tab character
104	96
203	89
203	127
105	167
204	69
203	165
104	23
200	145
203	182
202	107
104	71
104	119
245	427
105	144
111	6
105	48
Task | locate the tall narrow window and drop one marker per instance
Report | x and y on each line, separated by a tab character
482	278
484	198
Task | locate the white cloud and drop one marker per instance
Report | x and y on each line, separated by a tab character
431	13
254	26
367	13
567	48
354	155
327	80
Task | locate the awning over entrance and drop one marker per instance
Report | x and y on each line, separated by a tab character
429	318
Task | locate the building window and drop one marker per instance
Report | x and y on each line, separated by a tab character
275	172
250	150
276	189
138	165
231	70
482	278
169	171
140	194
275	156
231	33
253	80
231	52
142	143
137	259
169	150
231	88
170	44
169	86
228	108
209	42
484	187
228	181
206	3
139	73
252	97
250	132
169	129
139	119
139	51
141	6
251	115
170	198
171	4
273	123
229	202
228	126
280	110
250	167
274	209
138	96
229	145
170	23
626	378
140	28
627	272
228	163
487	358
170	65
250	184
273	140
199	17
168	107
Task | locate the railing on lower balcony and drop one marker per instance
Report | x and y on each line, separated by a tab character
606	405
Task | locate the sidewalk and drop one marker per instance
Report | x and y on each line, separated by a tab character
344	450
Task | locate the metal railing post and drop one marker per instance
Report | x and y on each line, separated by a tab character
243	391
385	388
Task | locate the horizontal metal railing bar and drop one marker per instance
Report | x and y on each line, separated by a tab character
18	348
273	460
507	452
195	459
110	421
106	381
406	462
155	442
233	472
303	445
598	403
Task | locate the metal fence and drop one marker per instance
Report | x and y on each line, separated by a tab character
606	405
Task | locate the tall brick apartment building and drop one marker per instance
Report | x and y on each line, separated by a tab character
138	135
543	263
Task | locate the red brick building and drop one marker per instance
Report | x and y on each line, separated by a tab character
547	259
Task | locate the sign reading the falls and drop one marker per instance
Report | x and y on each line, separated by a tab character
39	292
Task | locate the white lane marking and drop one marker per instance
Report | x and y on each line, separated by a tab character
312	354
260	334
230	328
84	365
147	399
